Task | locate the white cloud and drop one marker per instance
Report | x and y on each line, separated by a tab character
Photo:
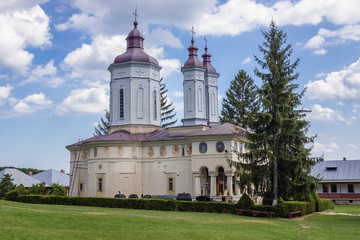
324	148
26	26
327	37
178	94
91	60
343	85
161	36
84	101
246	60
169	66
45	74
5	93
31	103
352	146
325	114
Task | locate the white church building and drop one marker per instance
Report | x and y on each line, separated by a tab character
141	157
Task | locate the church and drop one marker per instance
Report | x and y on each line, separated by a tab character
139	156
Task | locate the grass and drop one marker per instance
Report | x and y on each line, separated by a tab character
27	221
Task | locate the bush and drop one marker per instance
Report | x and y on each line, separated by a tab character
6	185
245	202
57	190
16	192
38	189
293	206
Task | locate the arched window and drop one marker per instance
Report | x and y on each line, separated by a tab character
155	104
121	103
213	104
140	102
189	99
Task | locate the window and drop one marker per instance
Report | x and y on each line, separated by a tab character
350	188
121	103
171	184
212	104
155	104
81	187
333	188
189	100
100	184
182	151
200	100
325	188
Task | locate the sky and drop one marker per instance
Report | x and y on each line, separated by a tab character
54	82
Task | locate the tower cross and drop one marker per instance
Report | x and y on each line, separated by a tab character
192	32
205	41
135	13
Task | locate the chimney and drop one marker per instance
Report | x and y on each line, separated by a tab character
344	158
30	173
321	159
62	171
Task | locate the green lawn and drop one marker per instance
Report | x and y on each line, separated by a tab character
27	221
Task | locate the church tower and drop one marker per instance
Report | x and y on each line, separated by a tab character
194	89
211	89
135	88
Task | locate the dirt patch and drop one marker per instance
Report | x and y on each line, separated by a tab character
97	213
31	209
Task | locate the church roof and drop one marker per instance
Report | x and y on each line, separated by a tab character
19	177
207	62
337	171
163	135
135	49
51	176
193	59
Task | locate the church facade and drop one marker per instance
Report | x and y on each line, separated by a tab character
139	156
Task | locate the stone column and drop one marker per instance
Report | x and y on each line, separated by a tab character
213	185
197	186
237	189
229	184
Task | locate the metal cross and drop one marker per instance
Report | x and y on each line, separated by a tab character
135	13
192	32
205	41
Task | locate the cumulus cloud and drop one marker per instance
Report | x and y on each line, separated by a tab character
26	26
178	94
246	60
343	85
31	103
91	60
161	36
327	37
325	114
84	101
5	93
45	74
169	66
352	146
324	148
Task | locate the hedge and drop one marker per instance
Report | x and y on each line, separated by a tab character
167	205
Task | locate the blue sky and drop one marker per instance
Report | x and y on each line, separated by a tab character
54	83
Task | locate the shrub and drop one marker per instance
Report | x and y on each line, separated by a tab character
38	189
268	198
16	192
292	206
6	185
57	190
245	202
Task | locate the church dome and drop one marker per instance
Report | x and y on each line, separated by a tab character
135	49
207	62
193	59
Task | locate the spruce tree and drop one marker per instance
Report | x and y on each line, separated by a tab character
240	102
278	159
103	125
167	110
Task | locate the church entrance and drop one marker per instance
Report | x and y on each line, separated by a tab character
204	177
220	181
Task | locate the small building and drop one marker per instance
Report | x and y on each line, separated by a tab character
339	180
19	177
51	176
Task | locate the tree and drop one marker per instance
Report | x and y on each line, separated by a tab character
278	160
167	110
6	185
103	125
240	102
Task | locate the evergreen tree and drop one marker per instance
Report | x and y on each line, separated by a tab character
6	185
241	102
167	110
278	160
103	125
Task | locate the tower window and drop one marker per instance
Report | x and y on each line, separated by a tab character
155	104
140	103
200	100
121	103
100	184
